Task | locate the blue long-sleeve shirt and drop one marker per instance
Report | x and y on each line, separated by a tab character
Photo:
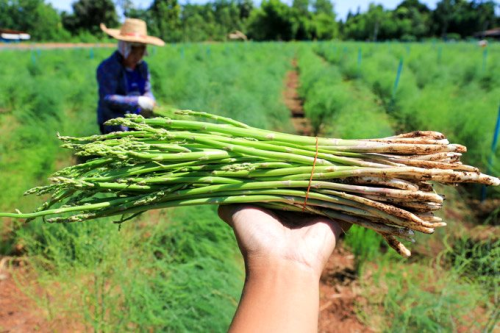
114	88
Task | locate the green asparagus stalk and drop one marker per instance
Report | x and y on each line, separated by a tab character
382	184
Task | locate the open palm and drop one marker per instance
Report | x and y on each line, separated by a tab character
265	236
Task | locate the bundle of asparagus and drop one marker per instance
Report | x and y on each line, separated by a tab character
381	184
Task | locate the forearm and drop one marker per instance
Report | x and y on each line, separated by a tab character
148	91
122	103
279	296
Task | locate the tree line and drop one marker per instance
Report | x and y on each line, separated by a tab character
411	20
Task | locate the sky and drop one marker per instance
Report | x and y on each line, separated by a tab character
342	7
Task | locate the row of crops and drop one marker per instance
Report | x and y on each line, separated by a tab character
450	88
354	91
178	269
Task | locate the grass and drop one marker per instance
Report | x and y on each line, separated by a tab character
337	107
178	270
443	87
449	284
448	93
423	297
455	289
242	81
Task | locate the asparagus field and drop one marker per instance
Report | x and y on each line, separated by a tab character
177	269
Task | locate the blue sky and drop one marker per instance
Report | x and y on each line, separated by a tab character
342	7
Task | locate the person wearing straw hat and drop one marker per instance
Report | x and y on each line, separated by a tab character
124	78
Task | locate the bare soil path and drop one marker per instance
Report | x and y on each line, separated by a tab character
294	102
339	293
18	312
339	290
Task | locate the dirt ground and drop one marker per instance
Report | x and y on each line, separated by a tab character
19	313
16	309
294	103
339	289
339	292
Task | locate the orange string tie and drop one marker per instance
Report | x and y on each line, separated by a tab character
311	178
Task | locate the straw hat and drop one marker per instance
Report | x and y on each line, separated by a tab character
134	31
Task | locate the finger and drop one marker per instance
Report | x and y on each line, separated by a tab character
228	212
339	225
231	214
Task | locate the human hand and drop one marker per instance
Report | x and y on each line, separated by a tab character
146	103
272	238
284	255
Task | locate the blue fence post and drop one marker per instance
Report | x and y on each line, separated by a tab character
398	76
492	153
91	53
485	59
396	84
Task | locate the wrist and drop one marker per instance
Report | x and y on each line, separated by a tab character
269	267
278	296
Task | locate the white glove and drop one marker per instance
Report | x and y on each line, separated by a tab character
146	103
